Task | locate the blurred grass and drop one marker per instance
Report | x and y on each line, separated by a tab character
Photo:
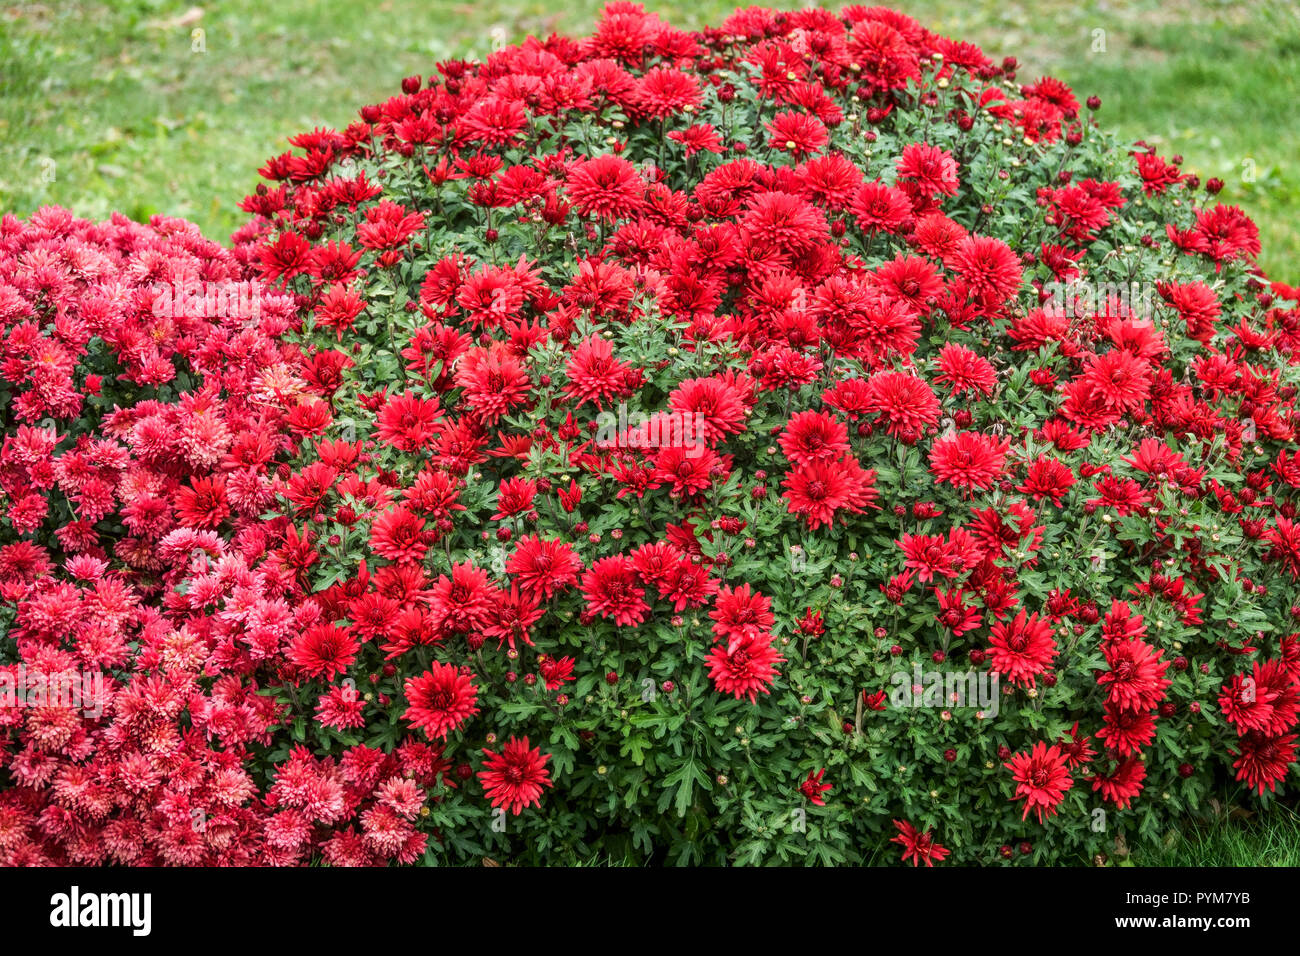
109	106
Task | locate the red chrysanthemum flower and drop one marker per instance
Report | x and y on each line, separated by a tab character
881	208
817	490
929	555
1075	747
399	535
408	422
1285	541
931	168
544	566
463	601
494	382
440	700
965	371
917	846
555	671
910	279
203	504
785	222
739	614
687	584
1126	731
1022	648
989	268
1120	379
1266	700
1041	779
612	589
515	496
814	436
607	187
688	472
813	788
341	708
700	138
388	225
1122	784
1125	495
883	53
797	133
1197	305
746	669
1047	478
720	407
663	91
594	374
1263	761
324	651
1227	233
514	778
954	613
494	121
938	236
1136	679
832	180
905	403
513	617
968	460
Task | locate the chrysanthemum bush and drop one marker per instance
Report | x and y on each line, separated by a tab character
629	446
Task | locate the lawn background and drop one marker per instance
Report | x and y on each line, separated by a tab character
109	106
122	106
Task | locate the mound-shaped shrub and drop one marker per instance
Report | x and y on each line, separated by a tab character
793	441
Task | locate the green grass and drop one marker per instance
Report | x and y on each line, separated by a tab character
1270	841
108	106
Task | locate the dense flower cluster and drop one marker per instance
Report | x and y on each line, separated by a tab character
134	472
620	435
